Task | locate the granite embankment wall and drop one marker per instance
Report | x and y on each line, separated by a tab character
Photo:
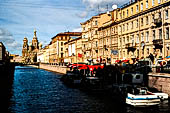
160	81
54	68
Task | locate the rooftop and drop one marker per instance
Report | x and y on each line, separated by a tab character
128	4
68	34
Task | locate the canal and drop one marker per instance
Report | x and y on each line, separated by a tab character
39	91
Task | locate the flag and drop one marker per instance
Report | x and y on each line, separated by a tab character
79	55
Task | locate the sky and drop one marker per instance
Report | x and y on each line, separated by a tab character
19	19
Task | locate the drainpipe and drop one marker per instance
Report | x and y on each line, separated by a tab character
163	35
140	50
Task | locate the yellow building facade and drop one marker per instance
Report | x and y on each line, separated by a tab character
57	47
90	39
73	51
143	29
135	30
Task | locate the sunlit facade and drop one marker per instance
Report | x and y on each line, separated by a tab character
143	29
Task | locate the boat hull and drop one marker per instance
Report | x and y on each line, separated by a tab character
142	100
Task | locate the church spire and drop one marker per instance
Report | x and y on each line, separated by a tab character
35	40
35	33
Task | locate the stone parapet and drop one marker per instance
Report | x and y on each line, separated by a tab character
160	81
54	68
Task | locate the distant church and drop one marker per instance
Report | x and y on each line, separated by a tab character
29	52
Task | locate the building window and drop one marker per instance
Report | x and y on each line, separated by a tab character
141	21
153	34
137	8
127	12
148	51
123	14
123	27
123	40
120	29
131	10
147	20
127	39
159	14
61	38
132	24
112	29
123	53
120	41
166	14
137	23
160	33
96	32
167	33
142	38
62	55
120	15
153	17
141	6
61	43
147	36
96	44
153	2
96	22
61	49
159	1
138	53
146	3
132	38
137	38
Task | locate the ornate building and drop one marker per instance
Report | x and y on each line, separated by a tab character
29	52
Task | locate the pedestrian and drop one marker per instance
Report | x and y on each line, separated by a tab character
161	65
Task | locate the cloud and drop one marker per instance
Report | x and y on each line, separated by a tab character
99	6
83	14
77	29
7	38
95	3
47	17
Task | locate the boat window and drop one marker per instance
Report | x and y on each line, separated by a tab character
137	76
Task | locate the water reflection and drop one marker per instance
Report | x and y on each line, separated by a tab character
39	91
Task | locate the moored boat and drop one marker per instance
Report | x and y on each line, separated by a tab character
162	96
142	97
72	78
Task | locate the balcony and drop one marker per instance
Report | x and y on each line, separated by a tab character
158	22
157	42
88	48
130	46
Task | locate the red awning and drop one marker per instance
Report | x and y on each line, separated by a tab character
117	61
125	61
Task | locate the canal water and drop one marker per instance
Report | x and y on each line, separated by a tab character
39	91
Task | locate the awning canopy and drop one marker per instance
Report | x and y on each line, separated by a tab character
125	61
167	57
118	61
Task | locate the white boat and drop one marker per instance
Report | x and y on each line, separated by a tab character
162	96
142	97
